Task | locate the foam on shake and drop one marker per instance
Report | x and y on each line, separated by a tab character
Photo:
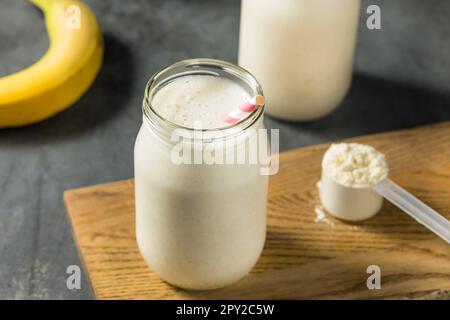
199	99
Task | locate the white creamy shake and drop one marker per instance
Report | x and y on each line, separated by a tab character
198	226
301	51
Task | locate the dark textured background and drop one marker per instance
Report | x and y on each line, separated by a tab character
402	79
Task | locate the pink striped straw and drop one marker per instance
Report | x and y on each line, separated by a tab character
243	111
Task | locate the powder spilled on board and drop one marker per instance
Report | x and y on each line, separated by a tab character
321	216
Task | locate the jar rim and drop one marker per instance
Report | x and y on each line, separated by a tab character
198	66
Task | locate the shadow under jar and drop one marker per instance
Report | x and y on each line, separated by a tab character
199	226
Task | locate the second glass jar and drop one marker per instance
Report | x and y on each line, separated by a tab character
301	51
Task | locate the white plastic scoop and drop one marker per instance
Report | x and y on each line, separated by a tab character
414	207
355	180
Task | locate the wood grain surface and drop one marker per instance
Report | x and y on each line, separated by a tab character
303	258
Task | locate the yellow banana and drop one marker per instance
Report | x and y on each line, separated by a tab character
63	74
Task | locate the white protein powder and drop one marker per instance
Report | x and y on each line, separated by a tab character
354	165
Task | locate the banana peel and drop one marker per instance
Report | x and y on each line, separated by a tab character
63	74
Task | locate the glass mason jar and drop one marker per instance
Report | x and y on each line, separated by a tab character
198	225
301	51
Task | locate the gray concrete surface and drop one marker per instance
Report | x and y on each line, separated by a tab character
402	80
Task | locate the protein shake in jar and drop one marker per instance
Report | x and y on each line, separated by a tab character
200	206
301	51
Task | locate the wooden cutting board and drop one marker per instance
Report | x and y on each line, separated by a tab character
303	258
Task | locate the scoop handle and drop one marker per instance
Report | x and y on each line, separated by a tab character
414	207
